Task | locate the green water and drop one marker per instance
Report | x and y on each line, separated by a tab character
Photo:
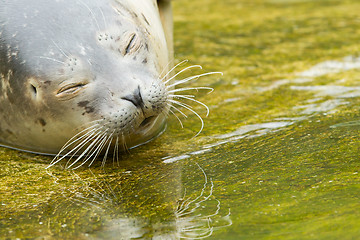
278	156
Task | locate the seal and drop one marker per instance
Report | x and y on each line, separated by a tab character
83	78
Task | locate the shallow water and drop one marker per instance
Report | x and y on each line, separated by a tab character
277	159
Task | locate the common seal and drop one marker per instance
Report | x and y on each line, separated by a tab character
91	71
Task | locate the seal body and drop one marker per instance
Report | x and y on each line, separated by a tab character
86	70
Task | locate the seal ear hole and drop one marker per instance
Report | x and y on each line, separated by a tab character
33	90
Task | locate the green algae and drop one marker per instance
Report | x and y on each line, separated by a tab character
293	185
298	180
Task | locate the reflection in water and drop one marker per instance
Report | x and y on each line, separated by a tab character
193	220
130	205
347	124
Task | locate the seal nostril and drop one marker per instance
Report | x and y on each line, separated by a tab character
135	98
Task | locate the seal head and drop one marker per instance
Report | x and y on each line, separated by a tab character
89	71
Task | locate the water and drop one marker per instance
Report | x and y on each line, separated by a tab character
277	159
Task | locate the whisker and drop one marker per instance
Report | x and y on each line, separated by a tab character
103	16
178	110
124	144
57	46
117	150
165	68
88	123
101	147
68	143
76	135
182	103
92	14
79	146
194	100
172	69
86	150
186	95
106	153
191	78
183	70
191	88
93	150
52	59
182	126
103	144
116	146
191	110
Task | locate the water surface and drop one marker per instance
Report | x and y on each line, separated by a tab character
277	159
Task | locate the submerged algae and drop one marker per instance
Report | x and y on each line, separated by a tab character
276	144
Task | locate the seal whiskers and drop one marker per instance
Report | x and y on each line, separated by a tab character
191	98
174	93
172	69
87	145
191	78
183	70
92	13
191	110
96	151
191	88
62	51
88	148
94	134
172	112
52	59
89	132
107	151
116	152
125	147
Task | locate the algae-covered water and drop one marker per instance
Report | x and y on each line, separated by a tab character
277	159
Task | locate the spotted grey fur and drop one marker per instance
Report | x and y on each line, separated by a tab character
66	63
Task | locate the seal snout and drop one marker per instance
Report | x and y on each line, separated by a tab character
135	98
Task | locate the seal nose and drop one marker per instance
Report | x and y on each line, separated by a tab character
135	98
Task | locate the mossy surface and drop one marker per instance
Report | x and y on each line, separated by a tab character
280	145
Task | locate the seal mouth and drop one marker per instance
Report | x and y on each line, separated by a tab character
147	121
